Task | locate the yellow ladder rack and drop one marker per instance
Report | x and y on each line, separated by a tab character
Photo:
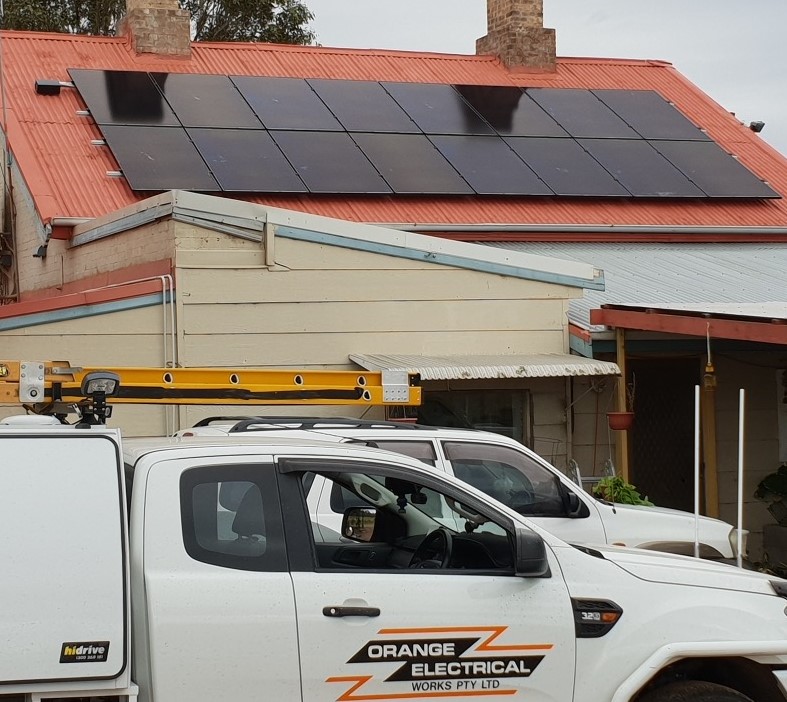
41	384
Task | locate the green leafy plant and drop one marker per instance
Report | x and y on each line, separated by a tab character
773	490
616	489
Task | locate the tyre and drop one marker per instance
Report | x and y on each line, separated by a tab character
694	691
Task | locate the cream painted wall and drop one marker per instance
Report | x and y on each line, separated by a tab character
124	338
319	304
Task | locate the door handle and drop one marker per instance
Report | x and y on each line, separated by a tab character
351	611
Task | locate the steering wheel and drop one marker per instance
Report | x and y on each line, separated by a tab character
434	551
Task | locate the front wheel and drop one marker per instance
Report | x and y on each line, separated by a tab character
694	691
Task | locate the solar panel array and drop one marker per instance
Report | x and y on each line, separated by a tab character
240	134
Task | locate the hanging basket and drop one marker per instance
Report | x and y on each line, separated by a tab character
620	421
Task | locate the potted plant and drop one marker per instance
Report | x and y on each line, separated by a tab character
623	420
616	489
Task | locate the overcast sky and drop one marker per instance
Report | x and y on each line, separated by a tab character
734	51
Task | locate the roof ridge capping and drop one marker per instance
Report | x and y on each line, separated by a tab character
248	220
406	244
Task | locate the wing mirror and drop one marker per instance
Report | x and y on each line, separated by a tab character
358	523
573	504
531	555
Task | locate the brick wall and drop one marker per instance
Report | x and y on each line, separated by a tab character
516	34
157	27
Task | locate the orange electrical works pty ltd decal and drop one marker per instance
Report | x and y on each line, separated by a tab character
445	661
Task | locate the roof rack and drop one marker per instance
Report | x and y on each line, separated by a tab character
273	423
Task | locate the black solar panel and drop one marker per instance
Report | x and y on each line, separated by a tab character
123	97
714	170
260	134
158	158
640	168
437	109
286	103
489	165
650	115
510	111
205	101
411	164
581	113
566	167
330	162
363	106
246	160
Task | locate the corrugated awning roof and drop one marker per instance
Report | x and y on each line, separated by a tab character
470	367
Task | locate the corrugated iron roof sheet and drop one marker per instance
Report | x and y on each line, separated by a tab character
68	176
471	367
673	275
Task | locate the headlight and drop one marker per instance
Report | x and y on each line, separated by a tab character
734	542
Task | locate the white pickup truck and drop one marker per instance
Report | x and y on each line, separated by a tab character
504	469
190	570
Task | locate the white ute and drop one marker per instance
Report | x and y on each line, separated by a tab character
190	570
504	469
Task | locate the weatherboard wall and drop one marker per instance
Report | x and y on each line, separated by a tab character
319	304
132	337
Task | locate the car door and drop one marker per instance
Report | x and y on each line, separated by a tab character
378	621
528	487
218	619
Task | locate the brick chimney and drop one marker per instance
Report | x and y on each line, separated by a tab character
516	34
157	27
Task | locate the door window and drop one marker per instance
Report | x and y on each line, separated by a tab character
510	476
393	523
230	517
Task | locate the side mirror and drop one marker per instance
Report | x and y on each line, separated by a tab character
531	555
573	504
358	523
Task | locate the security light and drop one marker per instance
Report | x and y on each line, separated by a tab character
757	126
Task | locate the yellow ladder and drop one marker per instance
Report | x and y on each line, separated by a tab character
42	384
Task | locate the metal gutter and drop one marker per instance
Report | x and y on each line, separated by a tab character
581	228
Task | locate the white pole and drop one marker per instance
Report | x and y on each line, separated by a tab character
741	424
696	471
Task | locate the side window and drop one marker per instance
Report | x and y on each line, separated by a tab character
388	524
422	450
508	475
231	517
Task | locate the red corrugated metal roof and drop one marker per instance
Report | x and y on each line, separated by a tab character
67	175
